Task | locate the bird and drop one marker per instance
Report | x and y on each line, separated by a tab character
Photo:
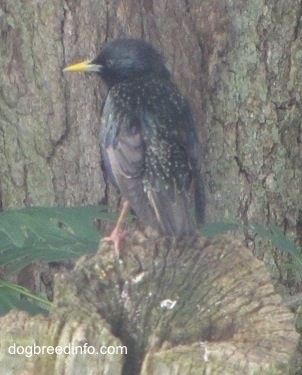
149	141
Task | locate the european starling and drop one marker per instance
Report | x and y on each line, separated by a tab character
149	141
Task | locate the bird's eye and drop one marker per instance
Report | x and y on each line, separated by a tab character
109	63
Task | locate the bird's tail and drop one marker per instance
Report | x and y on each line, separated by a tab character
172	210
172	213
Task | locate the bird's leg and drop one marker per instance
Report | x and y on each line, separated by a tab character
117	235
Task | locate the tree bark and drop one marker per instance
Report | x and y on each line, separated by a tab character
239	64
191	307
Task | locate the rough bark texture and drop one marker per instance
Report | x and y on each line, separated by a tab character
226	318
239	62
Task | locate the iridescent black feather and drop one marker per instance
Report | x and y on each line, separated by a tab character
149	141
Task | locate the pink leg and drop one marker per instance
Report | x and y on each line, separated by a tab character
117	235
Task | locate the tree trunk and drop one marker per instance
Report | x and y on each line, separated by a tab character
186	308
239	63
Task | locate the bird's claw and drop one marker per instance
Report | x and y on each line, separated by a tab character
116	237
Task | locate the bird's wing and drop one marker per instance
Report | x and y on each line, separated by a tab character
152	161
168	173
173	160
123	152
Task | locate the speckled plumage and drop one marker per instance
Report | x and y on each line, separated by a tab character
149	141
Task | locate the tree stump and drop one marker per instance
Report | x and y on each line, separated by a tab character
196	306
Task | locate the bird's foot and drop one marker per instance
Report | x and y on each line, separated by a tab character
116	237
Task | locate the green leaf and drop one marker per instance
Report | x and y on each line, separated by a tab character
261	230
214	229
10	298
48	233
49	222
278	238
282	242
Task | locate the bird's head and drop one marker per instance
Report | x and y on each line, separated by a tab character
123	59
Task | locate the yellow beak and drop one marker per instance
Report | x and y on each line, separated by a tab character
85	66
